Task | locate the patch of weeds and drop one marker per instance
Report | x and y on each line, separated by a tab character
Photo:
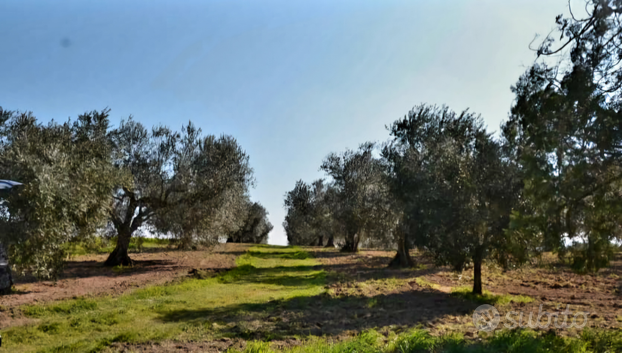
66	307
121	268
415	341
422	282
255	347
81	346
420	341
236	274
291	255
51	328
489	298
106	319
372	303
200	327
201	274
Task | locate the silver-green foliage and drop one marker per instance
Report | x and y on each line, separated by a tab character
68	177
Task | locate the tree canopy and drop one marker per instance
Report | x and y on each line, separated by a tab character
68	180
566	130
177	180
83	177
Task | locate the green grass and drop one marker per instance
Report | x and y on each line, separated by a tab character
421	341
243	303
187	310
489	298
422	282
101	245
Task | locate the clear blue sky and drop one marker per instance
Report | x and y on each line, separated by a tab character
291	80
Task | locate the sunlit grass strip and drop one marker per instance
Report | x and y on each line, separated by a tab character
91	324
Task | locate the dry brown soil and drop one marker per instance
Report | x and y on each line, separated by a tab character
86	276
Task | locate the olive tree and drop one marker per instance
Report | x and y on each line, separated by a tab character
255	228
457	189
206	224
358	181
309	219
566	128
67	177
170	172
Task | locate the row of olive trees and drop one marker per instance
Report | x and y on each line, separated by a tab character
86	178
445	185
354	208
441	183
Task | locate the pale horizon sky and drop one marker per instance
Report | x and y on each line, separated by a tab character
291	80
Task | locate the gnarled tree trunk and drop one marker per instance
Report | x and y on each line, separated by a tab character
402	257
119	255
351	244
186	241
320	240
331	242
6	281
125	228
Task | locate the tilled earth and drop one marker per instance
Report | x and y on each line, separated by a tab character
217	346
553	288
363	293
86	276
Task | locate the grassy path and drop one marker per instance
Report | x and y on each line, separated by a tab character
254	301
184	311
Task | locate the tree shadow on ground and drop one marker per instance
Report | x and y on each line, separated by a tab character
86	269
290	255
326	315
349	304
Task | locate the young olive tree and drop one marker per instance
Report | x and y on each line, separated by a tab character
171	172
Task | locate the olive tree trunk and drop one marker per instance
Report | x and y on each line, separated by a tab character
477	276
402	257
351	244
320	240
331	242
6	281
125	228
119	255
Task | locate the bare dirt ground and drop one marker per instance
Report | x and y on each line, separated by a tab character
86	275
217	346
552	287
